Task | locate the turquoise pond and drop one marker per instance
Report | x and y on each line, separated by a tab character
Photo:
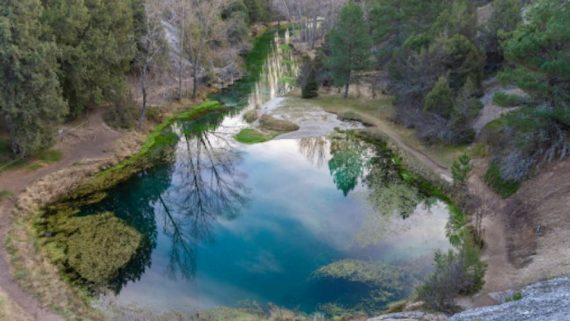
229	223
299	223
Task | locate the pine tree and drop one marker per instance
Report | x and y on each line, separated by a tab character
460	169
349	44
309	85
30	94
440	99
540	51
98	44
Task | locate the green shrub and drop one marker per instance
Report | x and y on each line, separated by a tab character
517	296
122	114
154	114
494	179
461	168
307	79
456	273
311	87
440	99
505	100
50	156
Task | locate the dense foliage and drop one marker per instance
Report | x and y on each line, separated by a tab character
30	94
434	56
538	53
349	43
456	273
62	57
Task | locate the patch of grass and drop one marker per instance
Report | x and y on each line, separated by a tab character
515	297
50	156
34	167
494	179
252	136
4	195
479	150
506	100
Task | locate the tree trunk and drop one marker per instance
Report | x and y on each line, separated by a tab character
14	147
143	109
347	85
195	79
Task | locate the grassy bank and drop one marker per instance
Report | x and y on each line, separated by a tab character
157	141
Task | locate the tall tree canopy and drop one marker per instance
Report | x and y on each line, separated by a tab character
30	95
349	45
98	44
540	50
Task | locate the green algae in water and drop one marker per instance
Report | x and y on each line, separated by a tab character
94	247
100	246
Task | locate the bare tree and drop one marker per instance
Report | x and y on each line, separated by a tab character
152	53
315	17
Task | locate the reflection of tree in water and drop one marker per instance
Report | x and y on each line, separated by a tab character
350	159
185	200
354	160
388	192
315	149
205	186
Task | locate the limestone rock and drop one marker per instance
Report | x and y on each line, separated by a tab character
542	301
411	316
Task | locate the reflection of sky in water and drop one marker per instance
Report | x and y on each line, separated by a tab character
295	221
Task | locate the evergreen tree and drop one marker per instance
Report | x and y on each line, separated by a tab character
540	50
392	22
98	45
30	94
460	169
349	44
440	99
308	80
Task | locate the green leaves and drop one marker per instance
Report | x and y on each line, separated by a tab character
440	99
460	169
539	48
30	94
349	44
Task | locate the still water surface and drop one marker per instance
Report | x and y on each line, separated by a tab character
227	223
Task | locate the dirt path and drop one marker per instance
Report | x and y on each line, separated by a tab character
381	126
90	139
